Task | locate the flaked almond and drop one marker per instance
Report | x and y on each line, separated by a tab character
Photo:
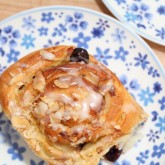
17	78
68	162
20	122
43	107
0	108
117	127
47	55
61	84
39	82
28	98
12	74
108	86
92	78
38	148
53	106
59	114
30	133
79	141
53	139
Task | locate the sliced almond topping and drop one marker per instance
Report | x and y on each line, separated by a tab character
30	133
20	122
28	98
47	55
17	78
41	109
117	127
42	106
38	148
0	108
39	82
12	74
61	84
92	78
106	87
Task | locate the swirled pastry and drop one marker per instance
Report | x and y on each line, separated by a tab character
69	108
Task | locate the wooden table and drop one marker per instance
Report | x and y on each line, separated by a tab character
11	7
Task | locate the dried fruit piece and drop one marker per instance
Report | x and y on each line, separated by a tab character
78	55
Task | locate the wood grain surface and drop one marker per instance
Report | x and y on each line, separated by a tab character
11	7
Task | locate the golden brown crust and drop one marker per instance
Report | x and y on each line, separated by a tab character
57	106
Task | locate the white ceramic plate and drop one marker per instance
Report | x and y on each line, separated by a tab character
147	18
113	44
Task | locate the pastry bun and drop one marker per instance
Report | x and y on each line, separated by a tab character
68	107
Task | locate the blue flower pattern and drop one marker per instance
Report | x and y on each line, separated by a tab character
121	54
119	35
28	41
43	31
161	10
16	151
139	14
131	85
161	33
58	31
161	124
154	115
75	22
98	31
13	55
103	56
147	95
29	23
142	61
124	162
142	157
153	163
153	135
82	40
32	162
47	17
2	52
9	36
157	87
158	151
120	1
162	103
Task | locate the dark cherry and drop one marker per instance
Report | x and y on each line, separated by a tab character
113	154
78	55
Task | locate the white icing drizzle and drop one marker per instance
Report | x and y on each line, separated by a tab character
92	101
69	69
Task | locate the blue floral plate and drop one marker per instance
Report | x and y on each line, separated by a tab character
110	42
147	18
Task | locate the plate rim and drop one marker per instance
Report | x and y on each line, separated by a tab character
91	11
139	32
